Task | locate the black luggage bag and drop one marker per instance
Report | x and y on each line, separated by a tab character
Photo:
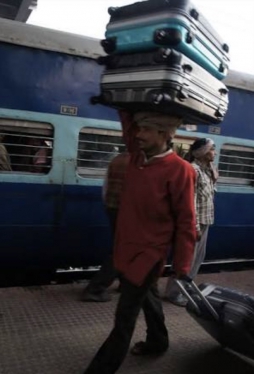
165	81
227	315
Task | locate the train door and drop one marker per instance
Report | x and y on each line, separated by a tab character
29	188
84	215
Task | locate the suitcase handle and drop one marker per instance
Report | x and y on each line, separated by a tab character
167	36
194	14
197	291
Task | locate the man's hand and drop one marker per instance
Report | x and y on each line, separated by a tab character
179	276
199	234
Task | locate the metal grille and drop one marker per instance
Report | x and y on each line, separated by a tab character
25	146
96	149
236	165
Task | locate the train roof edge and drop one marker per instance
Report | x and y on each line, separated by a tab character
79	45
237	79
48	39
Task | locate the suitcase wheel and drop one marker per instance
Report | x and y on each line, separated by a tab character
223	68
112	10
187	68
161	98
194	14
167	36
166	55
162	55
218	114
109	45
189	37
183	96
223	91
225	48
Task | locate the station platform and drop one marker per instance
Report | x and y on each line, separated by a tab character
48	330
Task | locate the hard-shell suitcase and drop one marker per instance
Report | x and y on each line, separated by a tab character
226	314
164	81
175	24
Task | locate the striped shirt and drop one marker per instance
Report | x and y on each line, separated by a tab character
204	194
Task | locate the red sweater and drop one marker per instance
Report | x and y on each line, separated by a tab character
156	213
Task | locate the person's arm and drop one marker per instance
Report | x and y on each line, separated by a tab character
198	231
182	202
129	130
215	172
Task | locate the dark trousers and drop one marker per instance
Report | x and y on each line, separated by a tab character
132	298
107	273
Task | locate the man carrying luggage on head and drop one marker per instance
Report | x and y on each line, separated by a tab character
156	211
202	153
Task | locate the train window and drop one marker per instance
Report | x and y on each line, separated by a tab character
182	145
25	146
96	148
236	165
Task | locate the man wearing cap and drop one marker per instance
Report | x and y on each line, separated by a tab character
156	212
202	154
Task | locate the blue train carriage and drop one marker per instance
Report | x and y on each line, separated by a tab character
59	147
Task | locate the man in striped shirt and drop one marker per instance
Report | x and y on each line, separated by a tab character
202	154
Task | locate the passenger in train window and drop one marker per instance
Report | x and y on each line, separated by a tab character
37	155
201	155
156	211
5	163
96	290
41	159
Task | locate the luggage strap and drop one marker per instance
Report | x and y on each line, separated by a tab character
202	295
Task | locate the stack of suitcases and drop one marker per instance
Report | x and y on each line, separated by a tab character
163	55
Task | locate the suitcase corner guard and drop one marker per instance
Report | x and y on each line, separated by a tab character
109	45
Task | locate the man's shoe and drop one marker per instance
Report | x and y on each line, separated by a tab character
144	349
96	297
178	299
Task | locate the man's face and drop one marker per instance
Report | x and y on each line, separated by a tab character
210	155
150	140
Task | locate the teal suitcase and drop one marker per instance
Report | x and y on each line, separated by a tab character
177	24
